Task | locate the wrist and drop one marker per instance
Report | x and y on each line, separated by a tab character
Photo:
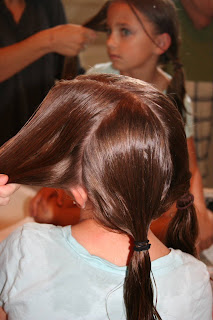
45	39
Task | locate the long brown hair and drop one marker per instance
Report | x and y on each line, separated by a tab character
163	15
122	140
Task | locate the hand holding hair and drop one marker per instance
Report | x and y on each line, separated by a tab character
69	39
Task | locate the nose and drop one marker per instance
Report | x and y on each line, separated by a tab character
111	41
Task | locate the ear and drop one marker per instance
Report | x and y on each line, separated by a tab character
163	41
80	195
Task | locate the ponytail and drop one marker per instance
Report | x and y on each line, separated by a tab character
183	228
138	289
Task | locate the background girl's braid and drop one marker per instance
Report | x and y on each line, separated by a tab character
182	223
176	89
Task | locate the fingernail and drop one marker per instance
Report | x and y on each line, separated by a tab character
3	176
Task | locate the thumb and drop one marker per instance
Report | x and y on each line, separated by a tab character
3	179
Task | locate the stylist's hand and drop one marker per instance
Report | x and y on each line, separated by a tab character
6	190
70	39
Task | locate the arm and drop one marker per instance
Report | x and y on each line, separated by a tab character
199	11
205	219
66	40
3	315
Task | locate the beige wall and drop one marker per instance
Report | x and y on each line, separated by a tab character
79	11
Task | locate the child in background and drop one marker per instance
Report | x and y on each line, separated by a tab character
118	145
143	36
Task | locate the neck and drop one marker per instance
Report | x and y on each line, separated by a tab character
112	246
16	7
155	76
140	74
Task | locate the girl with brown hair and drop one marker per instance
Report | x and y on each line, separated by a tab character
118	145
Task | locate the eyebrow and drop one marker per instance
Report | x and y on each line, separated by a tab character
123	24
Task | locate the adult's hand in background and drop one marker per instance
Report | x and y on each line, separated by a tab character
70	39
54	206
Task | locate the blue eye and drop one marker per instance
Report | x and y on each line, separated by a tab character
108	31
125	32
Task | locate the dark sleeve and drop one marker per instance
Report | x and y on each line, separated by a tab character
55	12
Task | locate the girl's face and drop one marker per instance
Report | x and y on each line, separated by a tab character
128	45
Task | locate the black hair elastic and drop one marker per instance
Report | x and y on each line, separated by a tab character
185	201
141	245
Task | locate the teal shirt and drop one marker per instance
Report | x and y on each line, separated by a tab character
45	274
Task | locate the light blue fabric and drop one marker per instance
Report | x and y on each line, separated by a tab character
189	126
45	274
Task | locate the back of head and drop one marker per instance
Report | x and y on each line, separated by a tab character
124	142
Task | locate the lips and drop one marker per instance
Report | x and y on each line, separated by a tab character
114	56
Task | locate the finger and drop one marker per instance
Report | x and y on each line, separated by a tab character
3	179
47	193
34	204
90	34
45	212
41	212
60	198
32	208
7	190
42	198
